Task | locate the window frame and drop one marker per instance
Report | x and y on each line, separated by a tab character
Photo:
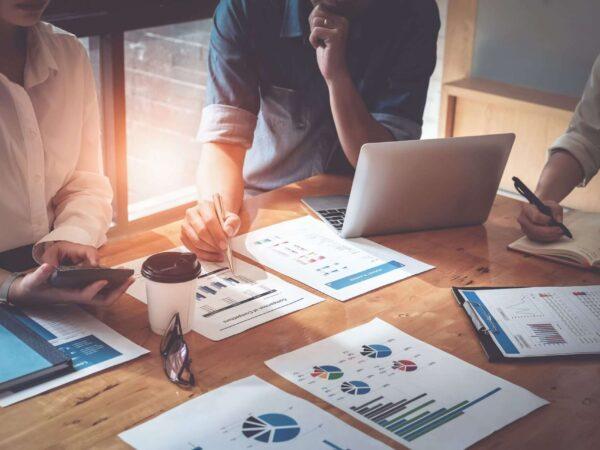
109	20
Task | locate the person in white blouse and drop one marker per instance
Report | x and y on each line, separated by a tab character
574	160
53	194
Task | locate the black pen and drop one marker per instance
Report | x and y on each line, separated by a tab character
544	209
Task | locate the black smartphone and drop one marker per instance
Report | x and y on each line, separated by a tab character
73	277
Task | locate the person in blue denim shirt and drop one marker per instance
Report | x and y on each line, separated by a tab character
295	88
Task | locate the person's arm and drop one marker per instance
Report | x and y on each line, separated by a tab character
219	171
82	206
397	112
226	131
354	124
574	160
561	174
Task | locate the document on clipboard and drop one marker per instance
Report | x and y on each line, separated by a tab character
534	321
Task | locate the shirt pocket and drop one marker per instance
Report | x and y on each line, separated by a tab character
283	107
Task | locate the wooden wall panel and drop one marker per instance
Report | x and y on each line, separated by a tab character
535	128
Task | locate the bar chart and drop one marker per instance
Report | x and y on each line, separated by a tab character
414	417
219	290
414	393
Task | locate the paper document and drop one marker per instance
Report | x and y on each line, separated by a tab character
540	321
227	304
247	414
414	393
309	251
92	345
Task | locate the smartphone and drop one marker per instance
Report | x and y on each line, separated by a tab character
73	277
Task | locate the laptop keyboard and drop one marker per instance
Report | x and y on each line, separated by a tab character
335	217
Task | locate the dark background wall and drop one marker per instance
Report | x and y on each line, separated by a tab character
549	45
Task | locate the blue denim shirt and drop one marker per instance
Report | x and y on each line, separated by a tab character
265	91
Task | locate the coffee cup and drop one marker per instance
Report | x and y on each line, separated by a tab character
170	289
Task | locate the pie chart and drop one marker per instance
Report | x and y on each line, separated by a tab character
327	372
376	351
405	365
355	387
271	428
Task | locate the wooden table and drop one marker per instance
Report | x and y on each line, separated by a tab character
92	412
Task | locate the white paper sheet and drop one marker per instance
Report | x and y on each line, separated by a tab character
227	304
309	251
247	414
540	321
414	393
92	345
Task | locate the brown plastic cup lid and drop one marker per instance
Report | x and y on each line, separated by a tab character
171	267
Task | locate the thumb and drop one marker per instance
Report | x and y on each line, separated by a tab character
92	256
232	224
40	275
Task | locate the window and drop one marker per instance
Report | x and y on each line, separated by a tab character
165	77
150	71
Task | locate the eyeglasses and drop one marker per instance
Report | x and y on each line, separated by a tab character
176	355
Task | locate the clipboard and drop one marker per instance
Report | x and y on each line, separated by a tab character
488	345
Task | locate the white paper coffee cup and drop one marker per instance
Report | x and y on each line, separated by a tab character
170	289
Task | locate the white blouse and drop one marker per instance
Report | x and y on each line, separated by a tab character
51	182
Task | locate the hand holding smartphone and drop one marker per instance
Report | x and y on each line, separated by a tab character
76	277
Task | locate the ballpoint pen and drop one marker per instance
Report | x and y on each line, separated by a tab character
544	209
218	202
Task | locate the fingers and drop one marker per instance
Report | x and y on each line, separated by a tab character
89	292
39	277
51	256
536	231
213	225
232	224
115	294
91	254
201	254
320	35
557	211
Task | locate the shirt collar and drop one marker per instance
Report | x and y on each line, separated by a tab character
40	61
295	19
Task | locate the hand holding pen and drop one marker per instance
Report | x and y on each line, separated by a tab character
204	234
540	221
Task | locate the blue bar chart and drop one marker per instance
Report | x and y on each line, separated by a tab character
415	417
408	390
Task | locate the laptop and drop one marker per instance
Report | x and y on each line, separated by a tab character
418	185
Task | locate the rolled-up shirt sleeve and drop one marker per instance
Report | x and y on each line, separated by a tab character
400	103
232	92
582	139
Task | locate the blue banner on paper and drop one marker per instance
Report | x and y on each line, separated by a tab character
88	351
364	275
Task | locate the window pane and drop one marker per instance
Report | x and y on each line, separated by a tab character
165	73
92	46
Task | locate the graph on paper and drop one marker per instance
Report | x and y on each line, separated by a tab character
248	414
406	389
540	321
308	251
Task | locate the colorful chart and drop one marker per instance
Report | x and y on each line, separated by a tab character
327	372
376	351
405	365
271	428
355	387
